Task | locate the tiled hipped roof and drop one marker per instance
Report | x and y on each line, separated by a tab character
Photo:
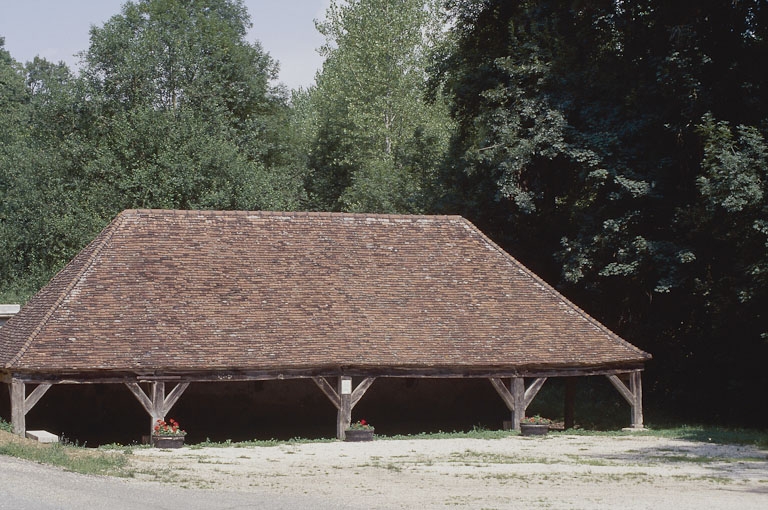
210	290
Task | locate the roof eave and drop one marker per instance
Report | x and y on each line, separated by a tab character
223	374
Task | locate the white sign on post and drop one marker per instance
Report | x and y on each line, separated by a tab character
346	386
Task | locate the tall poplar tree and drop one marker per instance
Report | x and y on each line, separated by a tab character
377	139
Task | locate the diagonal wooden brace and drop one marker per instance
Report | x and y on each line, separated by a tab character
360	390
159	405
633	395
21	403
328	390
142	397
344	398
174	396
517	397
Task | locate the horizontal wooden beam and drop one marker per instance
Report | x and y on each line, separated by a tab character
121	377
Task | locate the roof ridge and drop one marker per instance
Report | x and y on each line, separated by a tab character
111	228
265	213
549	288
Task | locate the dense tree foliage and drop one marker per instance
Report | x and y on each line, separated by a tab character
622	145
376	141
618	148
39	216
186	109
172	109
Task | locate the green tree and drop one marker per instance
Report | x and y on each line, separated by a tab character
13	129
185	113
173	109
376	139
42	217
618	147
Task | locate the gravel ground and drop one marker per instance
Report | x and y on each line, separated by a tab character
558	471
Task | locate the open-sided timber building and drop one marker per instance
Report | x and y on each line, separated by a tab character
161	299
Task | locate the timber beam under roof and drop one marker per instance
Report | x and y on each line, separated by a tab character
120	377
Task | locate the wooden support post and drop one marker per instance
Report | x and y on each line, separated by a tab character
21	404
570	402
517	397
158	396
517	388
636	387
633	395
159	405
344	413
18	416
344	398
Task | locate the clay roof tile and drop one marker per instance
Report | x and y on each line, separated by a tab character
216	290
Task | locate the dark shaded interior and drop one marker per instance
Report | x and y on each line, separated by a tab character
95	414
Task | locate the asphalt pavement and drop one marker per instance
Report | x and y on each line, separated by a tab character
27	485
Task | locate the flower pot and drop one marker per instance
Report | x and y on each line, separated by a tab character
358	435
167	441
534	429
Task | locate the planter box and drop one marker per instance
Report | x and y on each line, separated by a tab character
355	435
167	441
534	429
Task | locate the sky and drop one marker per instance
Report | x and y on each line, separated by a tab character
58	29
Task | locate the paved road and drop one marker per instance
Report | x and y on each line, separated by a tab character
29	486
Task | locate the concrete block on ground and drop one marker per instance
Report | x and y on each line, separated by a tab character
42	436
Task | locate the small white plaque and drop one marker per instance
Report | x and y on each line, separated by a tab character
346	386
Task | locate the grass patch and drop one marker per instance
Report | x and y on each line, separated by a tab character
71	458
207	460
256	443
589	462
476	433
699	434
475	458
691	433
127	450
694	459
714	435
